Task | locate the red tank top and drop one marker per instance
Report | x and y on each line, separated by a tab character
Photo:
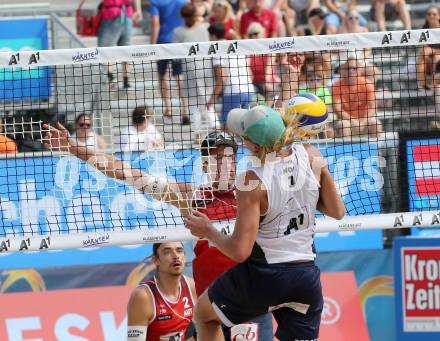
209	263
170	319
112	9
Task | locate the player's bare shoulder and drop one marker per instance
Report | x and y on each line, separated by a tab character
140	306
248	182
317	161
192	286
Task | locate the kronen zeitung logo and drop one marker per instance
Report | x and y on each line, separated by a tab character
422	282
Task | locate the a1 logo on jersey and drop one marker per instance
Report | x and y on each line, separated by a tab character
244	332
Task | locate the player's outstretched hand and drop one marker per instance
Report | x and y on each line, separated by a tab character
56	138
199	224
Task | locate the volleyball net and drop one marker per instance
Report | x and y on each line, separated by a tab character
138	114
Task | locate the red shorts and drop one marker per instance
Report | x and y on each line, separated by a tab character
208	264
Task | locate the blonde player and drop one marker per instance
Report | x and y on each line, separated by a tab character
273	235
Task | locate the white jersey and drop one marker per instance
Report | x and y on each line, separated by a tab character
286	231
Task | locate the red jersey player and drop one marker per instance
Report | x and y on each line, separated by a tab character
162	308
216	200
219	203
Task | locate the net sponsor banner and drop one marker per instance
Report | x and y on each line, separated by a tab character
417	268
18	37
100	313
72	257
222	48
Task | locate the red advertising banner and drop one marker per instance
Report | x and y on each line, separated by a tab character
78	314
100	313
421	288
342	318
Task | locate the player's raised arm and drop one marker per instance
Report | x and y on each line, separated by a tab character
58	138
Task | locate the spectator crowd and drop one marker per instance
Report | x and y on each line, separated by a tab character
273	79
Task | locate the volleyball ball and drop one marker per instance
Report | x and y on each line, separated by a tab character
312	113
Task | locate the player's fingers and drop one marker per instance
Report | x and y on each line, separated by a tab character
198	214
60	126
49	128
188	220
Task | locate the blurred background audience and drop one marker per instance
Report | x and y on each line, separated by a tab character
85	134
142	134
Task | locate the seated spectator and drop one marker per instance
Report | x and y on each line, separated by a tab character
285	14
85	135
429	55
262	67
338	14
366	68
315	83
351	23
323	58
7	145
203	9
432	18
354	103
232	79
195	85
191	30
222	13
142	134
316	23
238	7
258	13
390	10
301	10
